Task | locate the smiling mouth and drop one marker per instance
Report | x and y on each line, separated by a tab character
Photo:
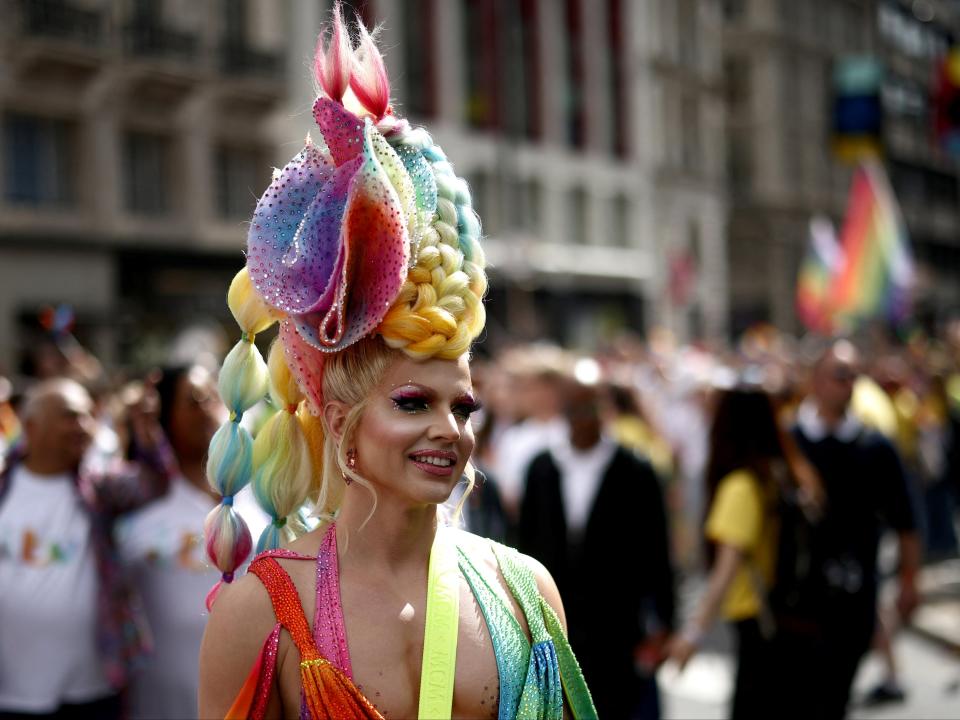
435	463
439	462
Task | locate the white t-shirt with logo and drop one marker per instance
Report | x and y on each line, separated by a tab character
48	597
163	547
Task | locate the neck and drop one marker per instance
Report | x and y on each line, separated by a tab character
42	464
396	535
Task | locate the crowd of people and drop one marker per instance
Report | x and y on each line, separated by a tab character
442	533
621	472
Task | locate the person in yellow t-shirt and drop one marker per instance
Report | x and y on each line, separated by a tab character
741	516
748	454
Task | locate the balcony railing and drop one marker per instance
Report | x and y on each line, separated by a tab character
61	20
241	59
152	40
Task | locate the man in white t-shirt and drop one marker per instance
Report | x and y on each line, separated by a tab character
69	626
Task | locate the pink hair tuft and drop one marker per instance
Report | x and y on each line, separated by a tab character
368	76
332	58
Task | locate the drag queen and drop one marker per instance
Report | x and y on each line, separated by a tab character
365	250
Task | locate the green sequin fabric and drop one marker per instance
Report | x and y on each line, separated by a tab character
534	676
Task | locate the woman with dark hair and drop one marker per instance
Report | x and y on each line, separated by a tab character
162	545
749	458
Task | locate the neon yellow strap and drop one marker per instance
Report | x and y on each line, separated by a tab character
440	633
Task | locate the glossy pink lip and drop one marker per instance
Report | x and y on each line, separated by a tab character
435	469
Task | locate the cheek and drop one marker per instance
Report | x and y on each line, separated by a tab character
468	441
384	435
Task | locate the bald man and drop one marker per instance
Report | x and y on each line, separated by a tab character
866	492
69	625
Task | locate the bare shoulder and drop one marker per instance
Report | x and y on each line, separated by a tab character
481	552
245	598
240	620
547	586
479	549
309	543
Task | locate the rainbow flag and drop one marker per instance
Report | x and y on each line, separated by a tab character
819	266
875	275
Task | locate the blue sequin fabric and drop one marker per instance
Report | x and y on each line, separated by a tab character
533	676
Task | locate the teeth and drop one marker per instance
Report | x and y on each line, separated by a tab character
439	462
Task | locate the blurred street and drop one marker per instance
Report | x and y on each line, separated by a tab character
930	674
928	655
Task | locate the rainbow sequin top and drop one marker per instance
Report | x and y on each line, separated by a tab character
535	673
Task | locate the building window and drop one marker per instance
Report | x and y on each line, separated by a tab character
481	55
235	22
736	85
146	157
484	200
577	217
688	38
419	58
733	9
520	68
620	224
912	35
532	211
523	202
575	96
239	172
739	161
618	86
530	38
690	128
39	156
356	8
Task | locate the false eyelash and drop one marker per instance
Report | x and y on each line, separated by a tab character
409	403
468	408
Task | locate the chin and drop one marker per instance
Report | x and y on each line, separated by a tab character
433	490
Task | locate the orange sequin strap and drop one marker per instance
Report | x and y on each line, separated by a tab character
286	604
327	691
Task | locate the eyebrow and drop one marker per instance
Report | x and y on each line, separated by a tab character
462	395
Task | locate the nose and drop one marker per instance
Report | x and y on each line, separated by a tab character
445	427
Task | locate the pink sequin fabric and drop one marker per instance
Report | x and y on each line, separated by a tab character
329	243
328	630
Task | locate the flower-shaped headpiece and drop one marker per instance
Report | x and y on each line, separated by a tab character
368	230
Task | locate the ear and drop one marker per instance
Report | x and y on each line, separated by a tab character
334	417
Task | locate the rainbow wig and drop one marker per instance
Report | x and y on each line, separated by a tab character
365	232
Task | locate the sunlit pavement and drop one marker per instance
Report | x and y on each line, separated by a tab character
931	677
928	657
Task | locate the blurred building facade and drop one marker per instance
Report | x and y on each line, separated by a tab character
134	133
137	135
779	57
591	135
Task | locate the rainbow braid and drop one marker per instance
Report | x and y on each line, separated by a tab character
242	384
281	456
439	310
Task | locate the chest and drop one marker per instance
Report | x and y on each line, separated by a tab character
168	535
385	643
43	526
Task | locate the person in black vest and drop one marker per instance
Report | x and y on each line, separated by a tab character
866	491
593	514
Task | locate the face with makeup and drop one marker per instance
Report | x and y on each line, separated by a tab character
414	437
